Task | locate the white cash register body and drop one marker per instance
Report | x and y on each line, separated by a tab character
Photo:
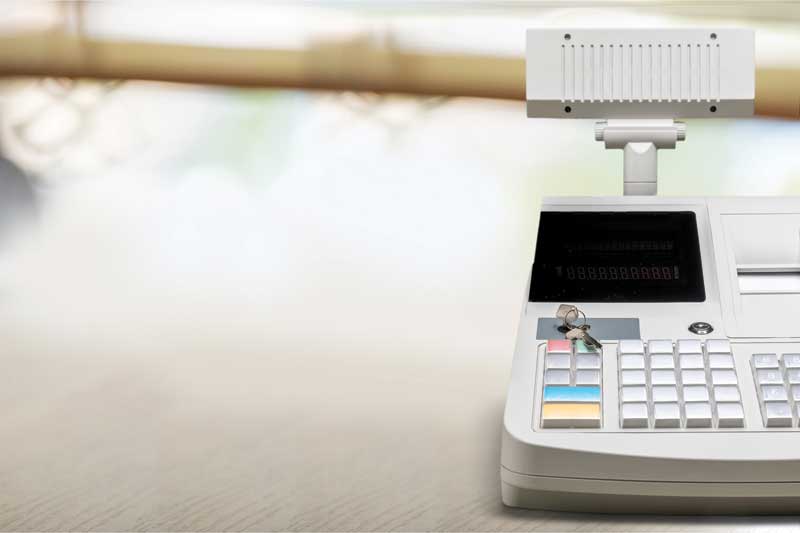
691	405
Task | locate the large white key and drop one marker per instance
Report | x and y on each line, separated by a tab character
723	377
587	360
631	362
662	377
557	360
791	360
662	362
690	346
667	394
773	393
730	415
727	393
634	415
691	361
768	377
777	414
693	377
765	360
556	377
796	393
634	394
633	377
587	377
698	415
666	415
695	393
720	361
631	346
659	346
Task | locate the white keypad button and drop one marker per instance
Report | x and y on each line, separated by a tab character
730	415
634	415
795	393
777	414
765	360
631	346
724	377
666	415
690	383
587	377
718	346
695	393
556	377
698	415
791	360
773	393
693	377
587	361
691	361
633	377
662	377
659	346
664	393
720	360
727	393
662	362
769	377
631	362
634	394
690	346
557	360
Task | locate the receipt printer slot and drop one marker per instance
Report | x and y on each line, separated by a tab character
763	266
769	279
766	252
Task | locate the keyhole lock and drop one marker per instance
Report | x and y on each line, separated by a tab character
701	328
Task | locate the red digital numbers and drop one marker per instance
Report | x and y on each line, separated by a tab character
619	272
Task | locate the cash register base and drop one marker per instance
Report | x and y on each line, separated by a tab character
666	417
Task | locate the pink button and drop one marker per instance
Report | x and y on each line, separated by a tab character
564	346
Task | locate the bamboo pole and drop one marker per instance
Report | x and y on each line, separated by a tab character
778	92
355	65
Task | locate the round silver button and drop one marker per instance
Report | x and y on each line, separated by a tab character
701	328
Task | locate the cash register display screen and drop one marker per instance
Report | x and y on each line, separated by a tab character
617	257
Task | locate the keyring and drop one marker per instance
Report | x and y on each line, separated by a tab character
578	313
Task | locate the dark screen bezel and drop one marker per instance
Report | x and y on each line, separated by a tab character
554	225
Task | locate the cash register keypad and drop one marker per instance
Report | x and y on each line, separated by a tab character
777	379
573	381
668	385
687	384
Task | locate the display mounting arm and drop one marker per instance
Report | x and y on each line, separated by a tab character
640	141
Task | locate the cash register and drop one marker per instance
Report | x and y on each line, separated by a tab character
657	363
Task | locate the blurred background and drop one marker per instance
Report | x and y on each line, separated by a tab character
230	228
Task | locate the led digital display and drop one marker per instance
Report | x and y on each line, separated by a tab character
617	257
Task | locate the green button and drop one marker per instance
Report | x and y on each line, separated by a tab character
581	347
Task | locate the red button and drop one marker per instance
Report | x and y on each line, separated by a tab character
558	346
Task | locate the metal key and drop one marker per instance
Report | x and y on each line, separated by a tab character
566	313
580	333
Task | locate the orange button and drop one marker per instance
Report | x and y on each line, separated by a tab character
571	415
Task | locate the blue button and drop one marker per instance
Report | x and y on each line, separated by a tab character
562	393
